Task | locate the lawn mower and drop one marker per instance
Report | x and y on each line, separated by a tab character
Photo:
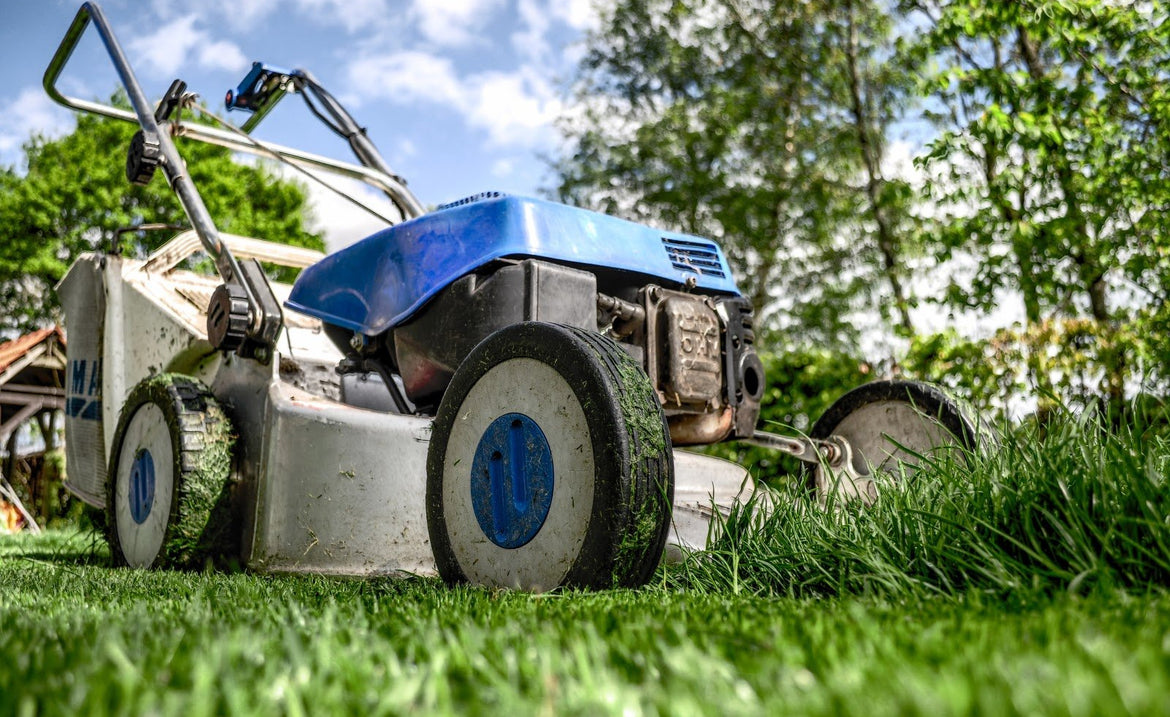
498	390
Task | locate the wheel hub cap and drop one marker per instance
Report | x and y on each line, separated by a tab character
141	486
512	480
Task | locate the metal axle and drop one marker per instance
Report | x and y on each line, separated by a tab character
832	452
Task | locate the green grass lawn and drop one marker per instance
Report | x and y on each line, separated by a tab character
1031	581
82	638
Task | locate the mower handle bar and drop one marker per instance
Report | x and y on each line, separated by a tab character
171	161
374	177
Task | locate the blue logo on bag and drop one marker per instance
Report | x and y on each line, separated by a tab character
84	399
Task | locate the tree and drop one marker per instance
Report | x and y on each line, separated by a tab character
1054	148
74	198
764	125
760	125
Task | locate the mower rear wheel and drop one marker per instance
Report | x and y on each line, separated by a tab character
550	464
170	469
890	428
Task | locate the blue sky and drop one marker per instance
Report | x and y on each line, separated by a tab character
459	95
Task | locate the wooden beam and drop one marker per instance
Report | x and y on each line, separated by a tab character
41	390
23	362
13	398
8	427
9	494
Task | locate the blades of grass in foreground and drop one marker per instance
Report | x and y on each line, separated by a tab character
1067	509
80	638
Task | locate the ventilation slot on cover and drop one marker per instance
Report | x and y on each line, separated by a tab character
697	257
482	196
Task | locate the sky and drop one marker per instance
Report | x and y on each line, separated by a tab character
460	96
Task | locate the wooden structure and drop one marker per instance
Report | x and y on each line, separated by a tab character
32	387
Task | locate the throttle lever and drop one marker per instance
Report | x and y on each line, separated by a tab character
170	101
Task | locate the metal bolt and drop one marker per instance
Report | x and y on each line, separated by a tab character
833	454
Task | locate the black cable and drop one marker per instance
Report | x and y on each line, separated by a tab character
388	378
264	151
324	120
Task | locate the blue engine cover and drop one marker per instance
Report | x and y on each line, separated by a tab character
382	280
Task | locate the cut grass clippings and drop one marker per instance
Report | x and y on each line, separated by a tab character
973	590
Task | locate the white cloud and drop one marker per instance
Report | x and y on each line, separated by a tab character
339	220
898	162
246	16
537	18
222	56
452	22
515	108
503	168
165	50
577	14
247	12
353	15
530	42
239	13
404	77
166	9
171	47
31	111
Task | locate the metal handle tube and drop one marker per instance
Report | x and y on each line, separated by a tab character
144	117
354	134
210	135
403	197
375	177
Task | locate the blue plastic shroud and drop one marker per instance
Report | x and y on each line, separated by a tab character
382	280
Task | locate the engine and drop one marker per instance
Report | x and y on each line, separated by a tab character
697	349
410	303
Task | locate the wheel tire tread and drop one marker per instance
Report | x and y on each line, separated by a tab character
955	415
199	527
622	556
652	486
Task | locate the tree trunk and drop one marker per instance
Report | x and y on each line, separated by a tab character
1090	268
887	242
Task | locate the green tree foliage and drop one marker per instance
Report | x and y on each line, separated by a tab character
765	126
74	198
1053	154
761	125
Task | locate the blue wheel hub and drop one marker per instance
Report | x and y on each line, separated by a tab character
141	486
512	480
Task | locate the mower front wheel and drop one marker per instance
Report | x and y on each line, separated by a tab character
170	467
890	427
549	465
